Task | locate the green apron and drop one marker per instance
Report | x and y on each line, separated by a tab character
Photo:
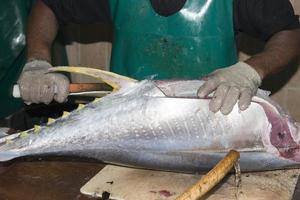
13	17
186	45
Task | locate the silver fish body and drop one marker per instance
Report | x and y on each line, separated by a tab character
163	125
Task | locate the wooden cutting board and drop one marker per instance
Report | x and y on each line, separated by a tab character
137	184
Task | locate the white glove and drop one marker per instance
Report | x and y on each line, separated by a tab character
238	82
38	86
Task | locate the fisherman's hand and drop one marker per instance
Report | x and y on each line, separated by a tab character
238	82
38	86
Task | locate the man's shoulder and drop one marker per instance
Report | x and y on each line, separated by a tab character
80	12
264	18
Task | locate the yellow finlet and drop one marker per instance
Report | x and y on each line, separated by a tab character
50	121
96	100
37	128
65	114
80	106
24	134
116	81
9	141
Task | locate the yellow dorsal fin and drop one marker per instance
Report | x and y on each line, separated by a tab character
116	81
37	128
50	121
80	106
65	114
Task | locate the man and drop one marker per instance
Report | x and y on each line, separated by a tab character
184	39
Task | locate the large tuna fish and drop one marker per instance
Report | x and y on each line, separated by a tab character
163	125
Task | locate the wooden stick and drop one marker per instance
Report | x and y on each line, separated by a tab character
212	178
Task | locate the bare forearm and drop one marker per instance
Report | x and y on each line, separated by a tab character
279	51
42	30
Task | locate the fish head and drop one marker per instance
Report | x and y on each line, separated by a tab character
284	137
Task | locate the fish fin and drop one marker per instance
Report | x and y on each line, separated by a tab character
8	138
116	81
50	121
96	100
24	134
80	106
8	155
37	128
65	114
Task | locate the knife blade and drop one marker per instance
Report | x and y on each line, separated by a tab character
78	89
